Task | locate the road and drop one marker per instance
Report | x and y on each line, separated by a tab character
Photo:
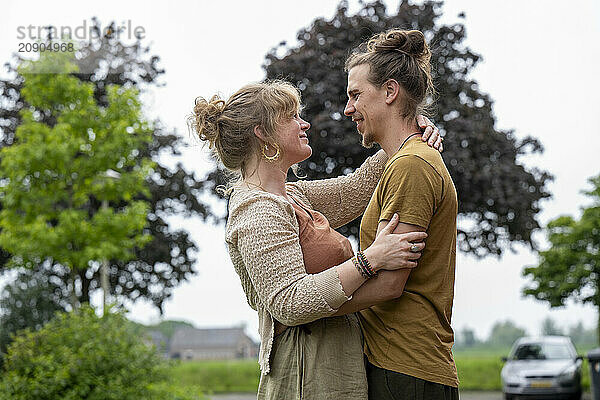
463	396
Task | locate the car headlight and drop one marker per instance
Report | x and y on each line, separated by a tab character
568	374
511	377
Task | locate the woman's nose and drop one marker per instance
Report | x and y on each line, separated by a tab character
304	125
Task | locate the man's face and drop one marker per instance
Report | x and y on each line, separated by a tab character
365	104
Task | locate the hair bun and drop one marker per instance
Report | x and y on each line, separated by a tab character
411	43
205	118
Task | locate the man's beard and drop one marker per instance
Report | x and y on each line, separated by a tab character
367	140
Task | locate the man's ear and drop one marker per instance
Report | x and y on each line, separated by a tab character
259	133
392	90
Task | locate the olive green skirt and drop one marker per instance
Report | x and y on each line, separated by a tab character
322	360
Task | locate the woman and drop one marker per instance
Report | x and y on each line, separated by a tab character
278	232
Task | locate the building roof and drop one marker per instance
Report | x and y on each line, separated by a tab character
157	336
208	338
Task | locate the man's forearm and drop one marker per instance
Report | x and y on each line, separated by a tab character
386	286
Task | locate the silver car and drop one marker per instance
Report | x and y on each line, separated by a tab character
542	367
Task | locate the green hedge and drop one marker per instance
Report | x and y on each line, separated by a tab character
79	355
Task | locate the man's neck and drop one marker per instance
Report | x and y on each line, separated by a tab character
395	133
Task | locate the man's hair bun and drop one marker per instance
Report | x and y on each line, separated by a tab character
412	43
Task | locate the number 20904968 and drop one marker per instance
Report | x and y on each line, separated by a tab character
41	47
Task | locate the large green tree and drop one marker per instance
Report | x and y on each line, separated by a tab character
498	196
570	268
56	169
168	259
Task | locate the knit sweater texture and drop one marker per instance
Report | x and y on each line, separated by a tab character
262	237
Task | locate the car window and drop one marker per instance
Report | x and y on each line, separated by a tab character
542	351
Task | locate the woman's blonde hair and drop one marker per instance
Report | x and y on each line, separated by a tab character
228	126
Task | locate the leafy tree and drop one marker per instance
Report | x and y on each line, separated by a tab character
28	301
582	336
504	334
78	355
168	327
550	328
498	196
465	338
168	258
468	337
56	169
570	268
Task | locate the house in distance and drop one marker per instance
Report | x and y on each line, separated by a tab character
211	344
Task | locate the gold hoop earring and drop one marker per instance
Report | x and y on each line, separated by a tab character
274	157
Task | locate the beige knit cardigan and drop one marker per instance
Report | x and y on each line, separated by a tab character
263	241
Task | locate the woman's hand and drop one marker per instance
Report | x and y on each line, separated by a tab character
393	251
431	134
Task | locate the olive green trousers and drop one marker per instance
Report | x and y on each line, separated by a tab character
322	360
390	385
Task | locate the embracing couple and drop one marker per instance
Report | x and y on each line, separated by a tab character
334	324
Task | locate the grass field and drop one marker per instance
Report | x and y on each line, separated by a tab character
478	369
217	376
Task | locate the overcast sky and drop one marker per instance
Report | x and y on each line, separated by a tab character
540	65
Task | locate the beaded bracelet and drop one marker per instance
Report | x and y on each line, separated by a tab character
363	273
365	264
362	259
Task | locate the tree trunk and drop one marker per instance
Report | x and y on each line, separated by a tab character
85	287
73	291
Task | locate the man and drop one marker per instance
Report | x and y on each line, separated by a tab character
408	340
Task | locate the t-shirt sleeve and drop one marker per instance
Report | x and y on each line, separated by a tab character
411	188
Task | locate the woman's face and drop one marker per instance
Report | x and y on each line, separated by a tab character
293	139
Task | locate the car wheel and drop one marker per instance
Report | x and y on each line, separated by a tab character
508	396
576	396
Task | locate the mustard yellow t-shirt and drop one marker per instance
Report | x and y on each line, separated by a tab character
412	334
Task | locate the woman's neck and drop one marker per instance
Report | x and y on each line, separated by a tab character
270	177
